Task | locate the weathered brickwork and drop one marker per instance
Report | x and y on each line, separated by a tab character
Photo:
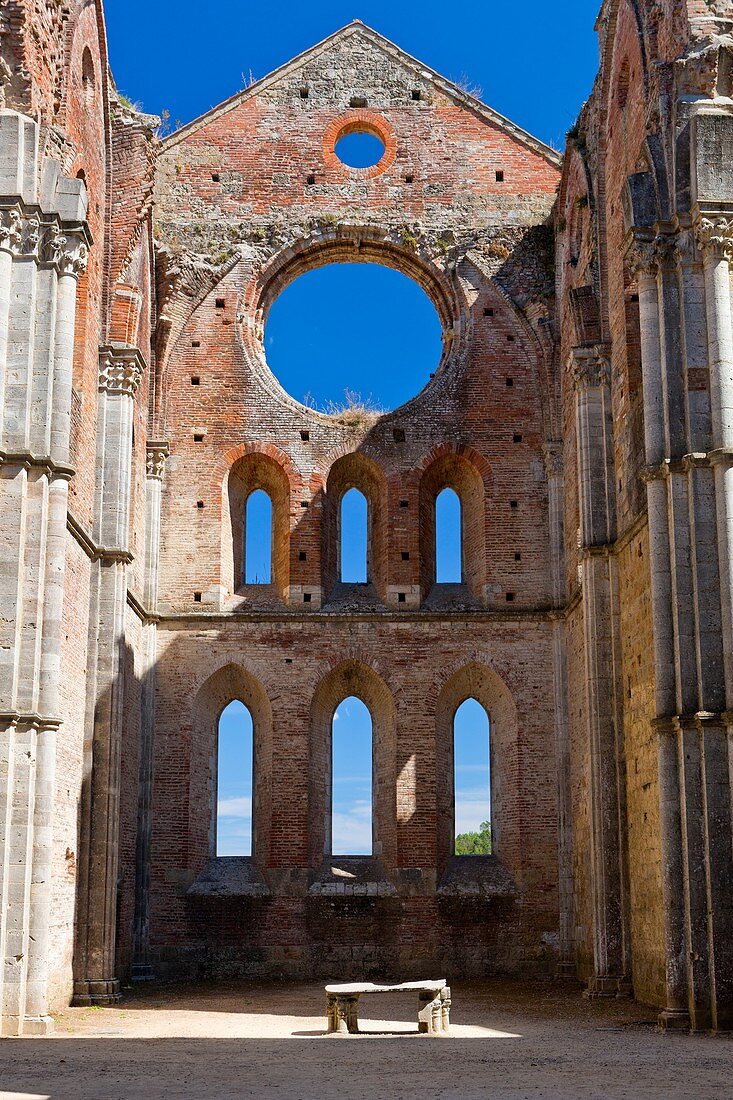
581	411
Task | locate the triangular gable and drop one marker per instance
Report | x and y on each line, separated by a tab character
358	29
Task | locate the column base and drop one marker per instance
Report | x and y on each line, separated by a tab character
606	986
38	1025
92	992
27	1025
674	1019
566	971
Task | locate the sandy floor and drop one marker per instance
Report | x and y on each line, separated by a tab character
508	1040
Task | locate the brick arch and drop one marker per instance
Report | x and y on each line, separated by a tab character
356	470
467	472
478	680
351	244
352	676
229	682
247	468
348	244
225	461
356	122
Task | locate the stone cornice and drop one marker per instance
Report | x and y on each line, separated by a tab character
120	369
43	462
696	460
30	720
92	550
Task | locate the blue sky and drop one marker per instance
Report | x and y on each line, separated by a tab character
357	327
534	64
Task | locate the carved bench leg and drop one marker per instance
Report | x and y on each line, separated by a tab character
429	1014
445	1003
343	1014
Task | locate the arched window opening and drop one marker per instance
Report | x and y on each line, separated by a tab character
257	539
354	538
351	779
234	766
87	72
448	538
472	780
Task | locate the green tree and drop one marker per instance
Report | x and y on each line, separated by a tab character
475	844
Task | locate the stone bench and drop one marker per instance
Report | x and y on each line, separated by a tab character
433	1017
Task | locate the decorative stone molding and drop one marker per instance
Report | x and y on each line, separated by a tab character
715	235
120	370
590	367
157	453
552	452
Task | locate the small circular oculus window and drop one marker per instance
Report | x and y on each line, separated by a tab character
359	149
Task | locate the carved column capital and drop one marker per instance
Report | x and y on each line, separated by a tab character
156	455
69	251
665	246
11	231
120	370
590	367
715	236
552	452
686	251
643	256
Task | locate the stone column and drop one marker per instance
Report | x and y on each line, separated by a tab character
554	468
596	478
157	453
644	260
715	239
40	261
121	370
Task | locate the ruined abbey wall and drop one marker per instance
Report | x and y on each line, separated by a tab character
581	410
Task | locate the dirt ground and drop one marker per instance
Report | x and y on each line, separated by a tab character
508	1040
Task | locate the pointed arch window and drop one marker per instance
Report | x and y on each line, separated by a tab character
257	539
351	779
448	538
354	538
472	780
234	771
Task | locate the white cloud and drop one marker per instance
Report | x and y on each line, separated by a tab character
352	828
472	808
235	807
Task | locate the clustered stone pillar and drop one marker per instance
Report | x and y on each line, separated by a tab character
43	250
120	372
596	484
690	604
715	237
554	468
157	452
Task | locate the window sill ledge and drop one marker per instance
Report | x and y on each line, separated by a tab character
230	877
351	877
476	877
